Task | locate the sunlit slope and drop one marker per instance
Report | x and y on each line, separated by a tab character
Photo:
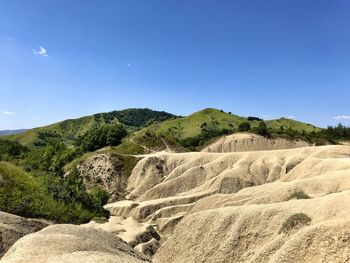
69	130
170	134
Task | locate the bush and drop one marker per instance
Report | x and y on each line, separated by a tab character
262	129
295	221
208	132
250	118
99	197
298	195
244	126
44	196
101	136
10	150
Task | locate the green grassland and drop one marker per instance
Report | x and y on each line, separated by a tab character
69	130
174	132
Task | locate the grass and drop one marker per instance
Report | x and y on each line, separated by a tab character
173	130
176	130
69	129
292	124
26	195
133	119
298	195
294	222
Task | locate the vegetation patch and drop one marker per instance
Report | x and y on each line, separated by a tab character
44	196
298	195
294	222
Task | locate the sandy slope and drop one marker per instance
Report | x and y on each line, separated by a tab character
229	207
252	233
242	142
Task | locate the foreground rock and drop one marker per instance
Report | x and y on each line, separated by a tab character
128	229
70	243
288	205
309	230
13	227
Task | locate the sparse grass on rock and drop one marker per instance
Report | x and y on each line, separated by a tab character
298	195
294	222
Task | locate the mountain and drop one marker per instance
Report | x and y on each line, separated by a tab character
9	132
68	130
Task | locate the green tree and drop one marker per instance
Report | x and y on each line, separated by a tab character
244	126
262	129
101	136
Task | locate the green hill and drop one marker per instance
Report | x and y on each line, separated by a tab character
291	124
69	130
198	129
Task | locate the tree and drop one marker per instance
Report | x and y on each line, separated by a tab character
262	129
244	126
101	136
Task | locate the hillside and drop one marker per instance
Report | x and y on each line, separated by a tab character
243	142
68	130
200	128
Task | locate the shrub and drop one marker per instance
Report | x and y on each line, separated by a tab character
101	136
250	118
298	195
44	196
244	126
295	221
262	129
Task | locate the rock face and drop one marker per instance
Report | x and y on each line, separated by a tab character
264	233
243	142
241	206
13	227
128	229
108	171
70	243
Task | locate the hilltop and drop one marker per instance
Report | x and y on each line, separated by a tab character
195	131
68	130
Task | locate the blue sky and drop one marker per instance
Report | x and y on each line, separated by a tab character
64	59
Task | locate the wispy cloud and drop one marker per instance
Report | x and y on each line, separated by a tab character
9	112
342	117
41	52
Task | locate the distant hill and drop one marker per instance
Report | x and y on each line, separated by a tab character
68	130
151	130
187	132
9	132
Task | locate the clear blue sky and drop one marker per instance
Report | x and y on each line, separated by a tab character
261	58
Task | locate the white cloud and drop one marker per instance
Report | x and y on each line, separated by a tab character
291	117
128	65
41	52
342	117
8	112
